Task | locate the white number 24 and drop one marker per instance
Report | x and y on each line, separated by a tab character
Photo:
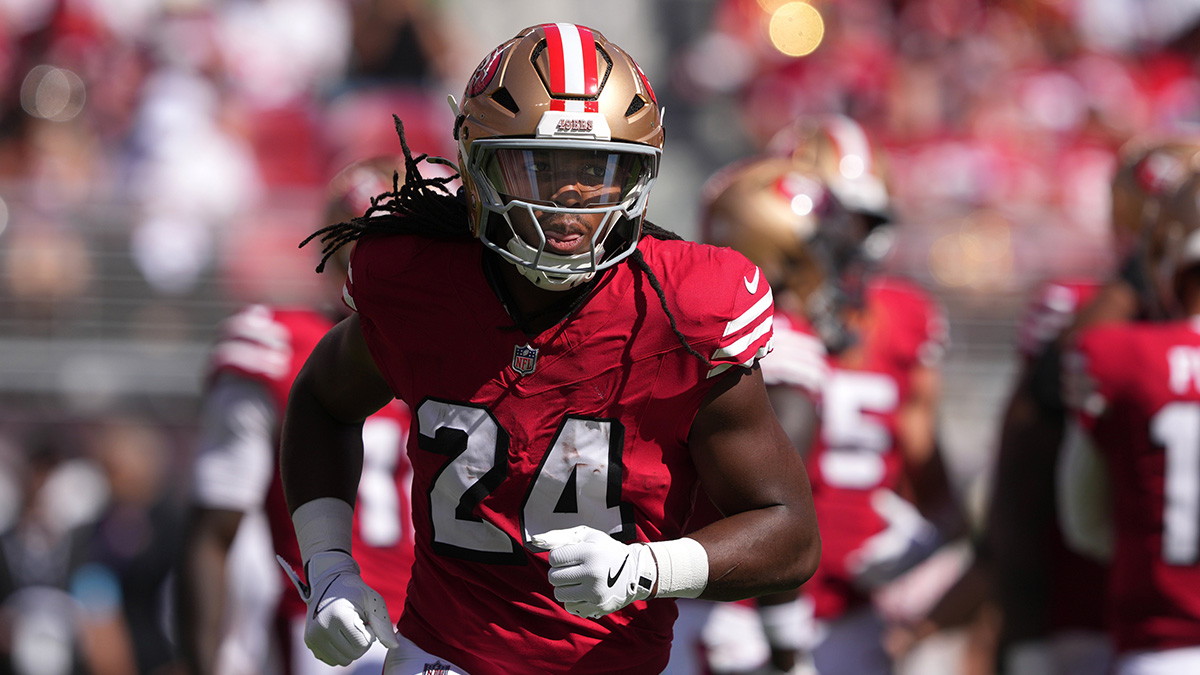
577	483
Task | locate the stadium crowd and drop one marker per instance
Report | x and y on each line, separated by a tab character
161	160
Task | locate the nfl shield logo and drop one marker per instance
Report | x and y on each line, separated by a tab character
524	359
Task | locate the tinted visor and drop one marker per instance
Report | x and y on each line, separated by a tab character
574	178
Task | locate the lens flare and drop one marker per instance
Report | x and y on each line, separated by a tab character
796	29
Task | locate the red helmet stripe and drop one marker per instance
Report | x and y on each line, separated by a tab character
558	76
591	80
572	61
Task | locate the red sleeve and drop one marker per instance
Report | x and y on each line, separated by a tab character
1093	372
253	344
726	308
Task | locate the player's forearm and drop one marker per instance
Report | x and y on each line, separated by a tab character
320	455
201	588
761	551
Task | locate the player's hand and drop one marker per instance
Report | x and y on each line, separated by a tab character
594	574
345	615
906	540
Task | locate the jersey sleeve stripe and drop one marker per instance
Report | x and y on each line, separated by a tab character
747	317
739	347
748	362
251	358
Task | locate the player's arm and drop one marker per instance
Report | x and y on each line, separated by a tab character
338	387
768	540
232	472
321	463
923	458
201	588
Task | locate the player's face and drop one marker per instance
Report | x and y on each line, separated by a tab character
575	179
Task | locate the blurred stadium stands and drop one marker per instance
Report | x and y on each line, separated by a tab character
160	160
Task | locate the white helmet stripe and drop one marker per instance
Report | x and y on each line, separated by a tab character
850	140
572	54
572	59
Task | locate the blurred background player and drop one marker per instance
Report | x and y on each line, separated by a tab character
883	497
1050	597
878	405
1130	491
227	612
748	206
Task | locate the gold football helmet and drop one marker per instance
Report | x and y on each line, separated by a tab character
783	217
558	101
1173	239
838	149
1149	170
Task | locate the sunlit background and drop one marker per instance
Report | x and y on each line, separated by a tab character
160	160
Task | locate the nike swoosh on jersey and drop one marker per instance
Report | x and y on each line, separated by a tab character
612	577
752	285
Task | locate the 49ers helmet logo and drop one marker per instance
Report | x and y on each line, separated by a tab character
484	73
572	125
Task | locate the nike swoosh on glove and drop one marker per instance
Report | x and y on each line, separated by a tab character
345	615
594	574
906	540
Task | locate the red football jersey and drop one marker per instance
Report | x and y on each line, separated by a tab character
585	424
856	451
270	346
1137	388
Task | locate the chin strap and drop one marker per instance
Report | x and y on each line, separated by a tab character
548	279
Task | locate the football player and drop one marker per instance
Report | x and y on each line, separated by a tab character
251	368
768	209
882	494
1050	597
1129	483
576	376
878	405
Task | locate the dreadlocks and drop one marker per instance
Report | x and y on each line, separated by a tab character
426	206
421	205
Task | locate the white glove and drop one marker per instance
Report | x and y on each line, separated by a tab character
347	615
907	539
594	574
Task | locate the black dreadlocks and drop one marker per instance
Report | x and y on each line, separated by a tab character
421	205
426	206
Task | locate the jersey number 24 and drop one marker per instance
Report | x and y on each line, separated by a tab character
577	483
